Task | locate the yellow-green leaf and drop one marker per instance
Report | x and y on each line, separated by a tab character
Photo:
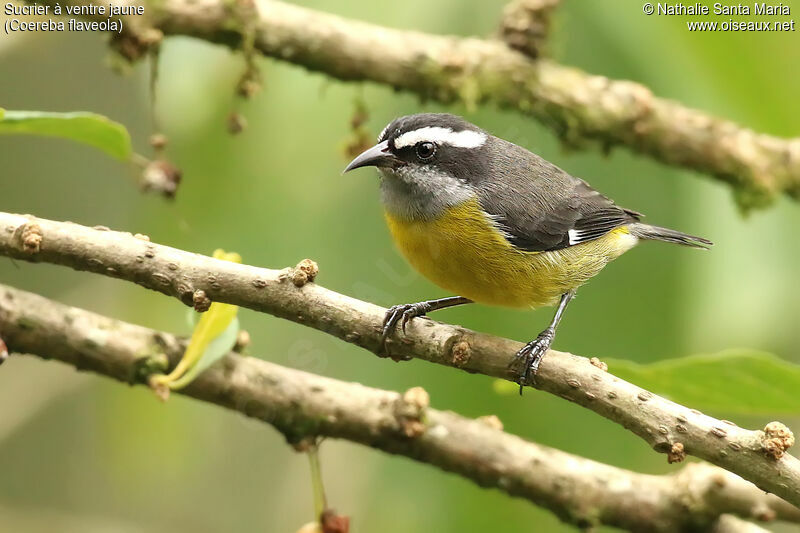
88	128
214	335
214	350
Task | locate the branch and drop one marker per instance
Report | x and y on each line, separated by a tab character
525	25
757	456
303	405
578	106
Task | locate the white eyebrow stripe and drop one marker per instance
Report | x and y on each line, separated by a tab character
439	135
383	131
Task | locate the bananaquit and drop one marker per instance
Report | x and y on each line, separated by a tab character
495	223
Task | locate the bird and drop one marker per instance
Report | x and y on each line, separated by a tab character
496	224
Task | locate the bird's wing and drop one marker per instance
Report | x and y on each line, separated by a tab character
542	208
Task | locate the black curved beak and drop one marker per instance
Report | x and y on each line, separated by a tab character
378	156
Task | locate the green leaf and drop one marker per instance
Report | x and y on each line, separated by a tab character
734	381
88	128
192	317
214	351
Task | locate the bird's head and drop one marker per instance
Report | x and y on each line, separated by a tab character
427	161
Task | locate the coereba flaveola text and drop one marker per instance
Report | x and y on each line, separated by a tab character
494	223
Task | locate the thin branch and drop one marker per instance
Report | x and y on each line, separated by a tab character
578	106
754	455
305	406
525	25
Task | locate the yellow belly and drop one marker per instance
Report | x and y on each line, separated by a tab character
462	252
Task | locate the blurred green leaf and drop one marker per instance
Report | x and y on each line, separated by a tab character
733	381
88	128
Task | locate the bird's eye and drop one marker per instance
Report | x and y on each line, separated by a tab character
425	150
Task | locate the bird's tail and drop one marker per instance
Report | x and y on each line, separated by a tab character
646	231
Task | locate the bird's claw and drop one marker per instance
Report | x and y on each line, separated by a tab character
401	313
527	359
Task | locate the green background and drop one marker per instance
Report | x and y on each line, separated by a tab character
81	453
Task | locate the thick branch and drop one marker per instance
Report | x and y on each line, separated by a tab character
577	105
753	455
303	405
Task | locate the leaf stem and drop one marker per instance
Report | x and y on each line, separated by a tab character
320	502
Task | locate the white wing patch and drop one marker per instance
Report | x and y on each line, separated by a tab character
574	236
624	241
439	135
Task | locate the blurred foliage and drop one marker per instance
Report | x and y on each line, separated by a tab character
89	128
733	382
89	454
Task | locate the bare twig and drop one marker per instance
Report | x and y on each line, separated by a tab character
305	406
577	105
525	25
755	455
